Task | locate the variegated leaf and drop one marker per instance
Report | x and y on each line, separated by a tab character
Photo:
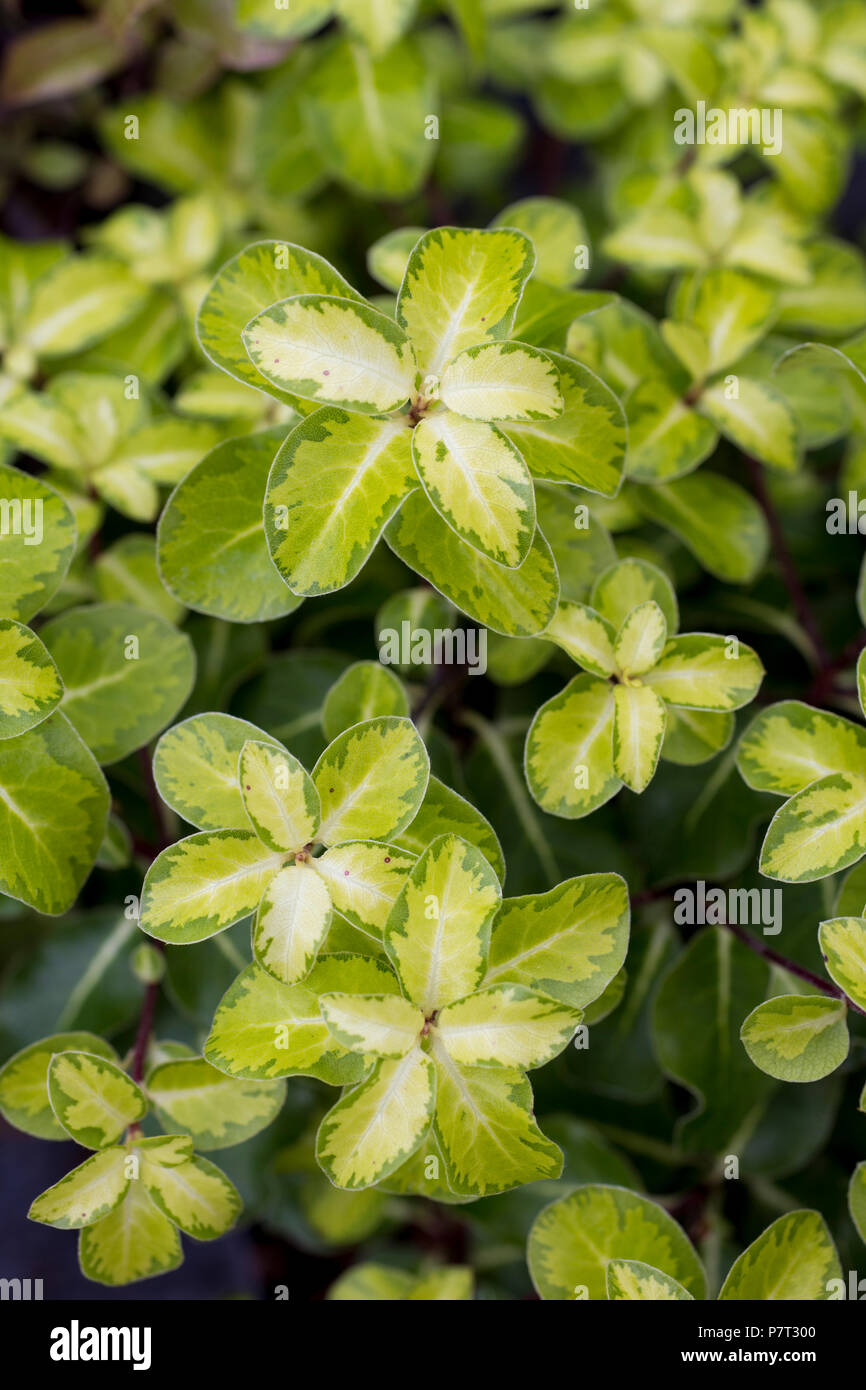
378	1124
92	1098
667	439
367	114
444	811
734	311
24	1100
195	766
629	583
715	518
641	639
205	883
515	602
231	576
39	536
585	444
478	483
569	749
638	733
279	797
703	671
364	878
505	1025
334	351
371	780
693	736
195	1196
797	1037
568	943
438	931
264	1029
364	690
791	744
843	946
135	1241
382	1025
126	673
263	274
78	300
793	1260
820	830
502	381
633	1280
215	1110
292	921
30	684
572	1241
585	635
53	809
461	288
335	483
758	419
85	1195
486	1129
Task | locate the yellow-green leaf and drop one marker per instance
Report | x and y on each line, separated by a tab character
486	1130
820	830
279	797
569	749
134	1242
505	1025
461	287
641	639
92	1098
638	733
585	635
24	1100
573	1239
843	946
478	482
383	1025
85	1195
502	381
364	878
292	921
794	1260
703	671
337	480
334	351
205	883
371	780
438	931
30	684
194	1195
196	769
635	1281
215	1110
791	744
264	1029
569	943
380	1123
797	1037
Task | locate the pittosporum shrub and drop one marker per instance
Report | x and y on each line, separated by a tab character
432	438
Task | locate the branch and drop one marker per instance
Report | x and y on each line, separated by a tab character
762	949
145	1027
151	993
790	577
